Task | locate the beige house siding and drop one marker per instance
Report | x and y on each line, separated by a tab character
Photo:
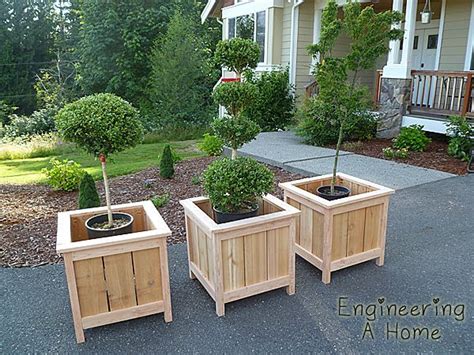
286	34
274	45
456	30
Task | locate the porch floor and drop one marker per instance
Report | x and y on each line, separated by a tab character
285	150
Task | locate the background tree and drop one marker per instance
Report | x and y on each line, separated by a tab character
182	77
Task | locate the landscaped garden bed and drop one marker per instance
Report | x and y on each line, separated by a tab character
434	157
29	212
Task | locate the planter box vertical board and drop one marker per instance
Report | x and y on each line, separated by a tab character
239	259
115	278
333	235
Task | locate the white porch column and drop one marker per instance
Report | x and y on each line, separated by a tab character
318	13
394	53
402	70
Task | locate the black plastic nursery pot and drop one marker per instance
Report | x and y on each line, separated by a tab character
223	217
94	233
339	192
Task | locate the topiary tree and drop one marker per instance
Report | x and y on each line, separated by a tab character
88	196
237	54
369	33
101	124
166	163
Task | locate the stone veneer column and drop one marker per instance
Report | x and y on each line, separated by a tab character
394	100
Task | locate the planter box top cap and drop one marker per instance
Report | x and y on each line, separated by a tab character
361	190
72	233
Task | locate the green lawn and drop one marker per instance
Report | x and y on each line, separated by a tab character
27	171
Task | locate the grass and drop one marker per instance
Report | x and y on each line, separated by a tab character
28	171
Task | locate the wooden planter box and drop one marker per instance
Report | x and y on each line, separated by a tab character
333	235
239	259
115	278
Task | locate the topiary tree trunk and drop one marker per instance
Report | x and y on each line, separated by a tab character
110	218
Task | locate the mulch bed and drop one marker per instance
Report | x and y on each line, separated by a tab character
28	212
435	157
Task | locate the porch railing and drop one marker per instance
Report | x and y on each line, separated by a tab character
442	93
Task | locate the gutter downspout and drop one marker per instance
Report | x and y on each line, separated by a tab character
294	39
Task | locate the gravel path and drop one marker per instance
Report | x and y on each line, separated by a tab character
28	212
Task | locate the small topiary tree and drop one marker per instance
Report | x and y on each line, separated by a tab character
369	33
88	196
101	124
237	55
166	163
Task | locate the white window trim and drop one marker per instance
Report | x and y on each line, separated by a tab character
265	47
247	7
467	61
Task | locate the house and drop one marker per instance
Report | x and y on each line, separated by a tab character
425	78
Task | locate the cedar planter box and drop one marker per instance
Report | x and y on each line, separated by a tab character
115	278
333	235
239	259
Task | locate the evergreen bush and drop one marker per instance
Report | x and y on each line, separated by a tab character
88	196
166	163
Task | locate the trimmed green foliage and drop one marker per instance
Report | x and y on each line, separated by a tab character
237	54
461	139
235	185
235	132
211	145
88	196
274	104
63	175
235	96
412	138
166	163
160	200
391	153
100	124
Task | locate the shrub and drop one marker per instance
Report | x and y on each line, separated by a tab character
391	153
461	137
319	124
160	200
274	104
6	111
88	196
412	138
64	175
237	54
101	124
211	145
235	96
235	132
196	180
166	163
39	122
235	185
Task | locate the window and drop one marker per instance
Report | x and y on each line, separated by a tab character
250	26
432	42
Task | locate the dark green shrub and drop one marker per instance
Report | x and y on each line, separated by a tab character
412	138
211	145
391	153
235	185
6	111
88	196
63	175
461	134
235	96
160	200
39	122
274	104
237	54
166	163
235	132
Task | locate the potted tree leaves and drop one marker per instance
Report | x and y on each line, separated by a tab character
344	218
102	124
240	238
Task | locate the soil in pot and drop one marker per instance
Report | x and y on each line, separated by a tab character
97	226
223	217
339	192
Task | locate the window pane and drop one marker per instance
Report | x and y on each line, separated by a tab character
415	42
245	26
260	35
231	29
432	42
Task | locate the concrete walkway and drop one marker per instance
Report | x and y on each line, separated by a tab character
284	149
428	262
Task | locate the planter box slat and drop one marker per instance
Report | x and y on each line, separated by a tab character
340	233
115	278
237	259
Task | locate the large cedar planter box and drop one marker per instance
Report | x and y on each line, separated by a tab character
239	259
115	278
333	235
